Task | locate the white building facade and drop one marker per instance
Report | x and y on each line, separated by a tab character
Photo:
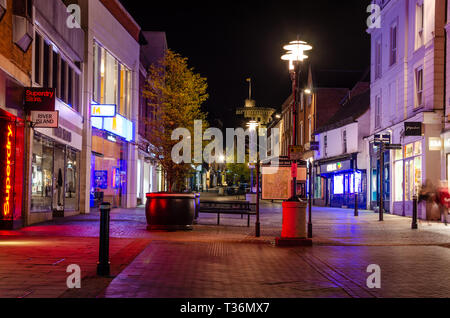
340	164
111	78
407	86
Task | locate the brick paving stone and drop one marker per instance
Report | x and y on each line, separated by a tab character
227	260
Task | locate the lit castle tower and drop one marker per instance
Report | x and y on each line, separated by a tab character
260	115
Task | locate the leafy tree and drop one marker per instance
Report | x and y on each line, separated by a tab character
240	170
175	93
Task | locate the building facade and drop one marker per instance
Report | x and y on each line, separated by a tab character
16	30
340	164
407	87
55	161
111	77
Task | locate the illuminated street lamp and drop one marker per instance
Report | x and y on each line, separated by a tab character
252	126
294	218
295	55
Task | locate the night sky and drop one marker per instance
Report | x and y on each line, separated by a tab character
229	41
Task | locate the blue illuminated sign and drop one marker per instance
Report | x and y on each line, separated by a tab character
118	125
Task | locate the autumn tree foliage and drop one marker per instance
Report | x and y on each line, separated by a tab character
175	93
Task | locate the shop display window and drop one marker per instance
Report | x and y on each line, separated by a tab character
72	189
42	174
398	181
338	184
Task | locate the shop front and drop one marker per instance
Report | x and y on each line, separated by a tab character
56	167
111	139
146	173
374	178
337	182
407	176
11	170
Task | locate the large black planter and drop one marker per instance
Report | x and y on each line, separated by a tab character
170	211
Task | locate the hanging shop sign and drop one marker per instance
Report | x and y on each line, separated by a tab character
413	129
44	119
382	139
42	99
98	110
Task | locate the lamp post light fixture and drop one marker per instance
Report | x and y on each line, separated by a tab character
295	55
294	229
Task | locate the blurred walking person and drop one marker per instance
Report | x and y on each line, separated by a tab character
444	200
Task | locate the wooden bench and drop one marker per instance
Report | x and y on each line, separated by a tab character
227	207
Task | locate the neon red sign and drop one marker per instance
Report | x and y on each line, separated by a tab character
7	200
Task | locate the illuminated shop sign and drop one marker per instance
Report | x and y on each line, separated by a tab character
98	110
42	99
8	171
119	126
336	167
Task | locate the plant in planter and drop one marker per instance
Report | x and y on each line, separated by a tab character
174	94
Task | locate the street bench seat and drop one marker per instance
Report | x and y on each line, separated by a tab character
227	207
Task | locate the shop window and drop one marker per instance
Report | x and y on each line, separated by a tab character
409	150
71	185
417	148
358	182
398	154
398	181
42	175
338	184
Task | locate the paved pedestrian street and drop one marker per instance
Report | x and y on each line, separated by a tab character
227	260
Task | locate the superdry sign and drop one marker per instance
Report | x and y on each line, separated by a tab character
40	99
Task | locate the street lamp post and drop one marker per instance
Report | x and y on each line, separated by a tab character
294	231
295	55
253	125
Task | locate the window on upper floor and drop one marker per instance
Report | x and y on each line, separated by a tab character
52	70
309	129
344	141
23	8
325	145
112	81
301	134
419	87
377	111
419	24
393	45
378	60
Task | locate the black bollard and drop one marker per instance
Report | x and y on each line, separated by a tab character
103	266
414	220
356	204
